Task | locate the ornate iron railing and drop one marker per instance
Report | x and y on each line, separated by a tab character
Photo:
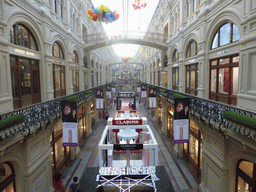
148	36
211	112
38	116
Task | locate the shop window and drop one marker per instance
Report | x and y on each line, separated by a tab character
175	78
159	63
59	79
170	123
175	56
245	176
224	79
7	177
25	81
82	125
191	79
22	36
192	151
57	51
226	34
159	78
60	156
192	49
75	78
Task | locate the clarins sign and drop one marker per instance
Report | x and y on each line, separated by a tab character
127	122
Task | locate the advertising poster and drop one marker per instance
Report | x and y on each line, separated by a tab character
138	88
69	123
113	88
108	92
99	104
181	120
152	98
152	102
143	91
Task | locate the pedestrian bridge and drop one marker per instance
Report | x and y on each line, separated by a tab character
98	40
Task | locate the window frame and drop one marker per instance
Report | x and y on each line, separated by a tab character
60	51
188	89
230	38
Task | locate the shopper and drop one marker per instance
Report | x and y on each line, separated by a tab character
58	184
103	115
73	186
107	116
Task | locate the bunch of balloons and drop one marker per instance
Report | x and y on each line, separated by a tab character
103	14
125	59
137	5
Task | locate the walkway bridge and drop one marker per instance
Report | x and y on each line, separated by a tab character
98	40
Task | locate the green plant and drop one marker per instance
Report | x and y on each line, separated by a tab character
72	98
163	90
240	119
11	121
177	95
88	92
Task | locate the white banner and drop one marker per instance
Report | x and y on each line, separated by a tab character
70	134
99	104
152	102
138	89
181	131
108	95
143	94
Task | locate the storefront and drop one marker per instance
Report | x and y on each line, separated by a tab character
7	177
170	123
245	176
192	151
82	125
60	156
92	115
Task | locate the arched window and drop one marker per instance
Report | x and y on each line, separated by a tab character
159	63
21	35
175	56
74	57
85	62
226	34
7	177
57	50
245	176
192	49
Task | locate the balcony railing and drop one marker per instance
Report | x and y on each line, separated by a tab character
211	112
38	116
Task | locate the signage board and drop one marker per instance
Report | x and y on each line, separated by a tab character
128	146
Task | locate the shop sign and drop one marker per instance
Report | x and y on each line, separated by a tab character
127	122
128	146
23	52
223	52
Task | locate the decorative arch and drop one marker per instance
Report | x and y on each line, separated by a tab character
191	49
175	56
75	57
187	42
26	20
221	18
57	50
58	38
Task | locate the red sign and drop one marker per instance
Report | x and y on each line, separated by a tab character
127	122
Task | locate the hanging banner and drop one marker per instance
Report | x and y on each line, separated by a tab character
181	120
143	91
138	88
108	92
69	123
99	99
152	98
113	88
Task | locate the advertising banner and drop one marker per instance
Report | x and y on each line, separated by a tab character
113	88
69	123
152	102
99	104
138	88
143	91
181	120
108	92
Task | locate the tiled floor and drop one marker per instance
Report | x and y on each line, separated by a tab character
179	174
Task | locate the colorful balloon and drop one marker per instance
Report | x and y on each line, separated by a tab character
89	12
90	17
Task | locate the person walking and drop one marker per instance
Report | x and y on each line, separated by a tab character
73	186
58	184
106	116
103	115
